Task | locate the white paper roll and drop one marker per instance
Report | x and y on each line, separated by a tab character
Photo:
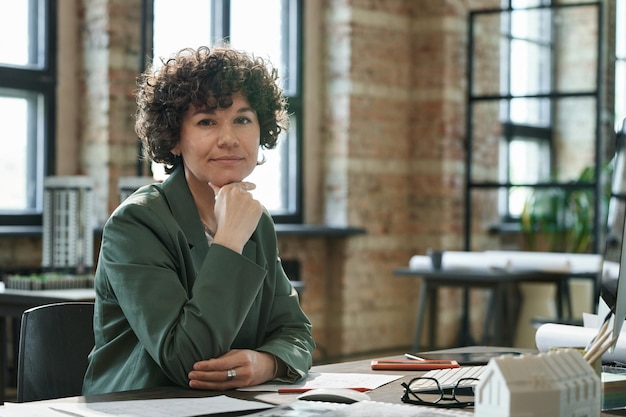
552	335
534	261
420	262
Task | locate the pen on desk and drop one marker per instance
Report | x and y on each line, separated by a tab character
69	413
301	390
409	356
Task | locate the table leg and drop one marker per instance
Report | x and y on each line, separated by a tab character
421	306
499	314
563	297
434	304
3	357
465	336
489	315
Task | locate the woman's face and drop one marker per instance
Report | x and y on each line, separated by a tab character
220	146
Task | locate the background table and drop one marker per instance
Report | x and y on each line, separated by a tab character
13	303
499	314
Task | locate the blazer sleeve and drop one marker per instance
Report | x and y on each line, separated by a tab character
289	335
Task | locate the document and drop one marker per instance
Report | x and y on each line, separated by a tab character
358	409
361	382
180	407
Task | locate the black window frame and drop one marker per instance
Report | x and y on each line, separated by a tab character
41	81
220	30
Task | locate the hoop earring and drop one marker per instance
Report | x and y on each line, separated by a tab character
263	159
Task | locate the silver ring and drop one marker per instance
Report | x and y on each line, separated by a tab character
231	374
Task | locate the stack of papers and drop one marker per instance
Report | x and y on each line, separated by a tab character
180	407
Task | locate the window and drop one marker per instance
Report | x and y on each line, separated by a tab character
533	125
620	63
269	28
527	44
27	100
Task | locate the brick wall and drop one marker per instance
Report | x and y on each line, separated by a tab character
394	157
110	34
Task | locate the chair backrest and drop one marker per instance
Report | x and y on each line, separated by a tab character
55	340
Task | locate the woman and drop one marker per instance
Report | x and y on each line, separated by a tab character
189	287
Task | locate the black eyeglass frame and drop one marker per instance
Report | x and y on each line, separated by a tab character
444	400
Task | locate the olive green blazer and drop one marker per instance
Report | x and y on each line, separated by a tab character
165	299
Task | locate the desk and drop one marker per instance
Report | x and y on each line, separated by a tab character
14	302
499	282
390	393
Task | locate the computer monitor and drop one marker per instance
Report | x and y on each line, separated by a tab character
613	275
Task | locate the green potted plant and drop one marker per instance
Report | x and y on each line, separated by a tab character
561	219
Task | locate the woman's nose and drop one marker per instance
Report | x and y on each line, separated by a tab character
228	137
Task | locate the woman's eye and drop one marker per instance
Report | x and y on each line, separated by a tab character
243	120
206	122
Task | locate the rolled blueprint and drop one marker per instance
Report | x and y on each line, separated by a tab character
552	335
420	262
469	260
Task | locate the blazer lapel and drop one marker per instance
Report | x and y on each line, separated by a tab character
184	210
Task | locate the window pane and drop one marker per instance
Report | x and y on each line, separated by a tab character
529	162
276	179
620	92
620	36
530	111
530	68
19	33
520	4
180	24
14	175
267	178
245	15
531	25
620	66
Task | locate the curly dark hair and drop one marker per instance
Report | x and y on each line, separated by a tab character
205	78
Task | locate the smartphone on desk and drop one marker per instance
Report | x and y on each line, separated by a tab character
412	365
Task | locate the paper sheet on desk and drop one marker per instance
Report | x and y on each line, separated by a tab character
180	407
563	335
330	380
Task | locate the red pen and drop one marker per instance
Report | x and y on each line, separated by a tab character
301	390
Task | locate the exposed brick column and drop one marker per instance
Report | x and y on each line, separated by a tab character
111	34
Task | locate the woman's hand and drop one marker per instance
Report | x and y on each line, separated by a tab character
234	369
237	214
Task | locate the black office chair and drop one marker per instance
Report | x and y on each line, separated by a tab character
55	340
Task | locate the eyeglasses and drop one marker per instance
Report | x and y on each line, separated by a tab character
437	396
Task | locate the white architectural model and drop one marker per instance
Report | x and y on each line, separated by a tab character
68	223
554	384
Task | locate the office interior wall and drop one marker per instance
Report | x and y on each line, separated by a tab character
384	151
